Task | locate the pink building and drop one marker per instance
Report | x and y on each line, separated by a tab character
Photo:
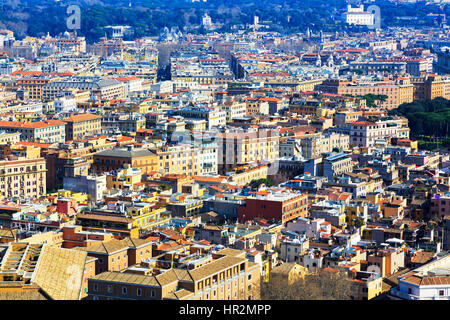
440	205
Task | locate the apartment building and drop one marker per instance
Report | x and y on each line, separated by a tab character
227	277
256	106
22	177
291	249
246	174
388	261
430	87
315	145
440	205
81	125
233	109
115	159
124	122
277	206
103	89
109	221
347	116
337	164
187	159
124	179
35	86
238	147
117	255
10	138
397	92
47	131
213	116
365	285
367	133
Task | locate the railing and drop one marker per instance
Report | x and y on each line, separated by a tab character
398	293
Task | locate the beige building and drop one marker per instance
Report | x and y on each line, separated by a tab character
227	277
246	174
179	159
81	125
233	109
430	87
397	92
241	147
22	177
256	106
10	138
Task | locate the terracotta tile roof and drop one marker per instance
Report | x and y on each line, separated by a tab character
31	125
427	281
422	257
82	117
34	144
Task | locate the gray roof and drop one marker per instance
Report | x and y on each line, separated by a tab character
124	153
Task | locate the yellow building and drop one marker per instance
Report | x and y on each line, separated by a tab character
144	214
179	159
250	146
23	178
79	197
292	271
245	174
367	288
81	125
126	179
144	107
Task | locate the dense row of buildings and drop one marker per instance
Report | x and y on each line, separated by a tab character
260	154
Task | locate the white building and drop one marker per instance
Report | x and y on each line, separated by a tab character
366	133
312	229
94	186
206	21
65	104
428	282
233	109
358	17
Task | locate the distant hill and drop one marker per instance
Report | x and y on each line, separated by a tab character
39	17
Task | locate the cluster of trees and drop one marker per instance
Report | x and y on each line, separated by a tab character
371	98
256	183
325	285
427	118
148	17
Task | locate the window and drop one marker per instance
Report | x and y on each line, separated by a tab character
152	293
139	292
124	290
110	288
95	287
441	292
